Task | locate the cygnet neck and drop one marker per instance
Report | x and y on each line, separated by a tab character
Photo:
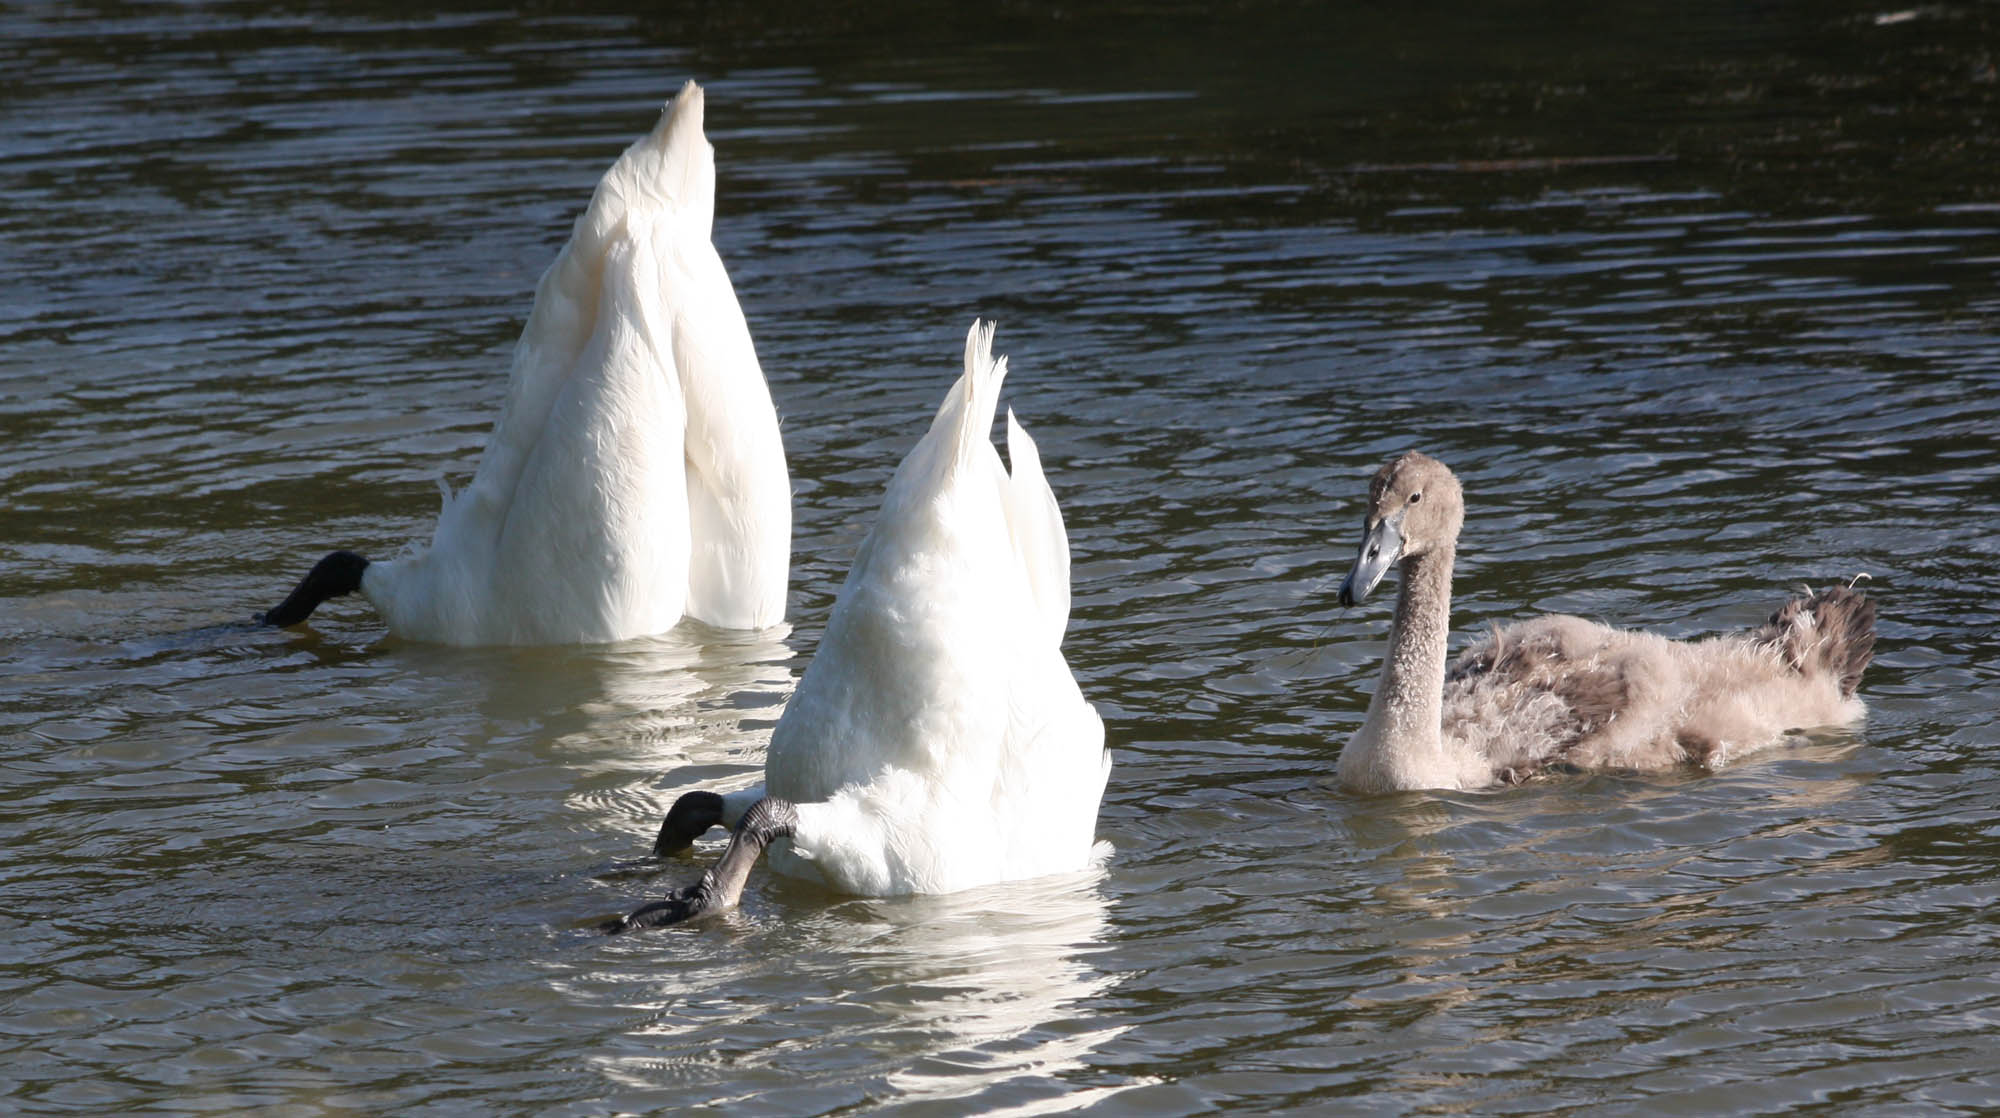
1401	745
1411	691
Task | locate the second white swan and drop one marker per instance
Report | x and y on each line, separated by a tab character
938	740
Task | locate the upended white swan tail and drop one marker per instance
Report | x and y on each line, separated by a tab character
636	474
938	740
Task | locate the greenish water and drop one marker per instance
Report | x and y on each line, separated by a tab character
1699	300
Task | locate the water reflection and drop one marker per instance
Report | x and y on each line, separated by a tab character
989	985
690	708
262	271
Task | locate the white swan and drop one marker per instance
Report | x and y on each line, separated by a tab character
636	474
938	740
1562	692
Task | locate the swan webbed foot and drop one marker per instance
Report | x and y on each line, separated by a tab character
337	574
690	818
721	886
681	906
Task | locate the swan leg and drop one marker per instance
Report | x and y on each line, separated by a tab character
689	819
721	885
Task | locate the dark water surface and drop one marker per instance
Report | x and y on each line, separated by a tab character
1700	300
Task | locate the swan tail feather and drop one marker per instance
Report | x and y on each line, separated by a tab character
687	160
739	494
1831	632
979	392
670	169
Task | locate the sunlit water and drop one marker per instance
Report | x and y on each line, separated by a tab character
1701	307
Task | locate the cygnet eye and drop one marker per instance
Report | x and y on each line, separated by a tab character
1415	497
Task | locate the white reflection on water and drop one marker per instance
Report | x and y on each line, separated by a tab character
990	985
996	965
649	719
259	281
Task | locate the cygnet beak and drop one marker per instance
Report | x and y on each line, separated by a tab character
1381	546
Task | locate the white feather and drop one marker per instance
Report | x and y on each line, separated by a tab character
636	473
938	740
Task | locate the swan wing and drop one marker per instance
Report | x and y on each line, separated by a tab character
1536	693
739	494
905	676
670	169
1035	521
593	545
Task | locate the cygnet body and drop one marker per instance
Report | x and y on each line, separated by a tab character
1562	692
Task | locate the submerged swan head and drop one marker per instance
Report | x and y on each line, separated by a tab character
1414	507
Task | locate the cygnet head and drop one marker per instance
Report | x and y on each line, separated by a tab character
1414	507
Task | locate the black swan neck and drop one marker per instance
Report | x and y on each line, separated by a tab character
337	574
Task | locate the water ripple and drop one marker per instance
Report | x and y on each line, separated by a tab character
1698	313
